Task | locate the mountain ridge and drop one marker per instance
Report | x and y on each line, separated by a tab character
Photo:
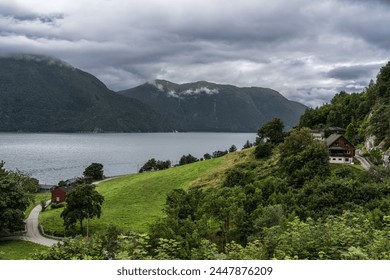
45	94
206	106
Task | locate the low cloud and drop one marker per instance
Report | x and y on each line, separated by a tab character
307	50
354	72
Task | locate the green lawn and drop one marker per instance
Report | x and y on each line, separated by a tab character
132	202
19	250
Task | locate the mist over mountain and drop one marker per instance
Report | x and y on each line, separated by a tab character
44	94
204	106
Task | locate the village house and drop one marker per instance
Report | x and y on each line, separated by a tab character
340	149
58	193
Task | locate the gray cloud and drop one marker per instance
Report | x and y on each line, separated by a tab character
307	50
354	72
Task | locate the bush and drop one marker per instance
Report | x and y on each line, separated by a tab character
232	149
218	154
207	156
247	145
187	159
263	150
57	205
153	165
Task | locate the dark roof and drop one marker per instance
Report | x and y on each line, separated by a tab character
332	138
66	189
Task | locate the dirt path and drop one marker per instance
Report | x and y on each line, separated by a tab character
33	234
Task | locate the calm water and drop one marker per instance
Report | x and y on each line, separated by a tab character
54	157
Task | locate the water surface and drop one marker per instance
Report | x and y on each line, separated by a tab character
51	157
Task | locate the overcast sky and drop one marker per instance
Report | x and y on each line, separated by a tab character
307	50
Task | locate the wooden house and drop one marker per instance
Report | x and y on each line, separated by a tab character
58	194
340	149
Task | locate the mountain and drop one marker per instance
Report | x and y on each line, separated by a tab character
44	94
204	106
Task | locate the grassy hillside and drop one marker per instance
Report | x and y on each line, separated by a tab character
132	202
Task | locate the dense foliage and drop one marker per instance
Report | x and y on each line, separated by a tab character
361	114
94	172
154	165
15	196
187	159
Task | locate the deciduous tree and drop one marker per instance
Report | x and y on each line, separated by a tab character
82	202
94	171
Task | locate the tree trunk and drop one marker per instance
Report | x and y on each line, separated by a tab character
81	226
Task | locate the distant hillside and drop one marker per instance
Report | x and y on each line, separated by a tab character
364	115
43	94
204	106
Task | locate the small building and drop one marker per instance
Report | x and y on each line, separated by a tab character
58	194
318	135
340	149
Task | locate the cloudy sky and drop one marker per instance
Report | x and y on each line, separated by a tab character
307	50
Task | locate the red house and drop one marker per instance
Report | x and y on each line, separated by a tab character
340	149
59	193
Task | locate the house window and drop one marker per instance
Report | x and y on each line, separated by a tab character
340	159
57	199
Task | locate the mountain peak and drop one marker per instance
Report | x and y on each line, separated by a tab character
205	106
38	58
44	94
185	90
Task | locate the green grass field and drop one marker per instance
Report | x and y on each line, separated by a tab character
19	250
133	202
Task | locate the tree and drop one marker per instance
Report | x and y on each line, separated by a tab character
232	149
303	158
94	171
263	150
351	133
218	154
187	159
272	130
247	145
207	156
14	199
82	202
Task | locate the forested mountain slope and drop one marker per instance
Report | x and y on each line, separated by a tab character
204	106
44	94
